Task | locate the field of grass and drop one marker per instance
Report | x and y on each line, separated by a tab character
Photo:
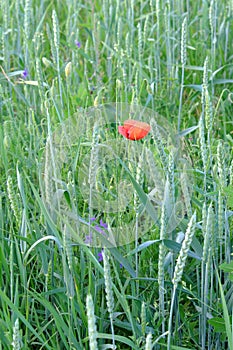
105	242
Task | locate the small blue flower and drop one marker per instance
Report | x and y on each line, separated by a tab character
25	73
77	43
100	256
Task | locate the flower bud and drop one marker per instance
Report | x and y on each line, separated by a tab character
68	69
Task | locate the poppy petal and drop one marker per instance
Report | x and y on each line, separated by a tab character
122	131
134	130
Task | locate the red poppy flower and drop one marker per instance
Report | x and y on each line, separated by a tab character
134	129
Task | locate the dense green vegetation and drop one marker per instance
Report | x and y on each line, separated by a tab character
107	242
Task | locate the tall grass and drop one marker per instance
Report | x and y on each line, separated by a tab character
70	72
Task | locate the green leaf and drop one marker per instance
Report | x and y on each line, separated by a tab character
119	339
228	192
177	246
188	131
218	323
172	245
63	329
222	81
195	87
227	321
141	194
227	267
13	308
142	246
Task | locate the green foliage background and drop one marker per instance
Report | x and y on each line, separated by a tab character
174	57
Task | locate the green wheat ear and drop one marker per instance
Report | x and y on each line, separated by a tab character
14	202
49	276
56	36
179	268
159	145
108	282
67	244
231	172
220	217
204	151
221	164
48	176
185	191
148	342
5	6
94	160
109	291
208	233
8	132
92	330
161	261
180	264
17	341
143	318
27	19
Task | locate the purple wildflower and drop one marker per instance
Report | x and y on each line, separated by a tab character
101	227
98	229
88	239
25	73
77	43
103	224
100	256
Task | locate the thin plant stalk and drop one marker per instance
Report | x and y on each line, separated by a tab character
183	63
